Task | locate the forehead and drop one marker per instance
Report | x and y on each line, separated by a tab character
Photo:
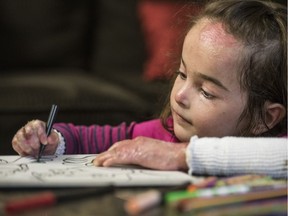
215	33
209	49
211	40
212	35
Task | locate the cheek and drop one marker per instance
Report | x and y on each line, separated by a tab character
206	119
174	90
172	93
213	123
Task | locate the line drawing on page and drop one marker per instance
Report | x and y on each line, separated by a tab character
78	170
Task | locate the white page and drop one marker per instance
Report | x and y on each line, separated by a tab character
78	171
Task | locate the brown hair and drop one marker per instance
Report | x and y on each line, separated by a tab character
261	27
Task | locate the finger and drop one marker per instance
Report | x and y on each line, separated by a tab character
21	135
21	152
27	131
26	141
24	132
29	135
115	145
40	128
99	160
25	149
112	161
53	138
118	156
16	147
19	142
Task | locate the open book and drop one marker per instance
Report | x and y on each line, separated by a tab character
79	171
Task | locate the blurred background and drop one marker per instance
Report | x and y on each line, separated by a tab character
101	61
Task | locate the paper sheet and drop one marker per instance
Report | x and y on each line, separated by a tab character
78	171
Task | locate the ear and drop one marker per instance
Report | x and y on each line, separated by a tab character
274	113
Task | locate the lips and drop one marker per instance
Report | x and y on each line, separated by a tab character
180	117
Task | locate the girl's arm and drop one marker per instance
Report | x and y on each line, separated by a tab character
75	139
78	139
235	155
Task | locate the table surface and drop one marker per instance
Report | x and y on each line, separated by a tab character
112	204
109	204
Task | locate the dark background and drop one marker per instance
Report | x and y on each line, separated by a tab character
88	56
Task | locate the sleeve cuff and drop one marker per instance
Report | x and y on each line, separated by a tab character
61	146
237	155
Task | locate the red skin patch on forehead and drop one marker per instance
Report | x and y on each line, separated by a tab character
215	33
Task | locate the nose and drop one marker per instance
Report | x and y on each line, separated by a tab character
182	97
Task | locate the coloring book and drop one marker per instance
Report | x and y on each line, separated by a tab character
79	171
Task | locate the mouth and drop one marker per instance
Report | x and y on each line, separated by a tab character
180	118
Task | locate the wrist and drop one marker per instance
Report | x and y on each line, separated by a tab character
181	157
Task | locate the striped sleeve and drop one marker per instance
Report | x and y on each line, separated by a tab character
92	139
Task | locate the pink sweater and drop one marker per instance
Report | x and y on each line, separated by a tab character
94	139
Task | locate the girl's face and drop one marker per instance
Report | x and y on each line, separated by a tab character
206	99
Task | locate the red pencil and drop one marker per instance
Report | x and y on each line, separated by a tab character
49	198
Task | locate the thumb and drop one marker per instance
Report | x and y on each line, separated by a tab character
53	138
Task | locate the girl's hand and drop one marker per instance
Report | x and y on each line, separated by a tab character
28	138
146	152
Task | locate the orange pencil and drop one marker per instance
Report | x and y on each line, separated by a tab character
149	199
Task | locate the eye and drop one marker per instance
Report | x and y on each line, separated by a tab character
181	74
206	94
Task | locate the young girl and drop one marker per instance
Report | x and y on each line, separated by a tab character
231	82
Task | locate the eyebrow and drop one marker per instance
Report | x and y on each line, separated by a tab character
208	78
